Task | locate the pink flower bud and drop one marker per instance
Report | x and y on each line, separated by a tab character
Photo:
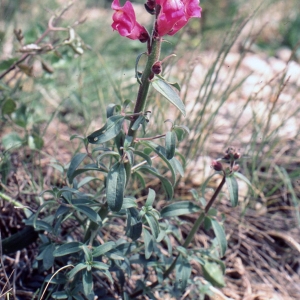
124	21
150	6
236	155
157	67
216	165
174	14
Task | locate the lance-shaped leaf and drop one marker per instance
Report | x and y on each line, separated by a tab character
150	198
115	185
183	272
213	273
242	177
221	236
165	182
86	180
110	130
75	162
177	166
149	243
108	153
100	250
87	282
180	131
100	265
68	248
169	93
134	224
140	120
77	268
90	167
233	189
161	151
90	213
47	256
170	144
129	202
179	208
110	109
146	157
59	295
153	223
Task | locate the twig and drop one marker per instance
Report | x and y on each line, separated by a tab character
4	271
51	27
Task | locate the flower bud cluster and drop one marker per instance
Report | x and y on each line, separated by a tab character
231	155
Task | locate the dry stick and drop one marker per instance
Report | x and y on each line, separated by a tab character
16	263
2	264
189	238
51	27
64	267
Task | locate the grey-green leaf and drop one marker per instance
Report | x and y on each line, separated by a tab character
179	208
129	202
144	156
165	182
161	151
75	162
169	93
76	269
48	258
110	130
138	122
115	185
221	236
87	281
233	189
100	265
170	144
213	273
90	213
60	295
148	240
89	167
100	250
150	197
183	272
134	224
68	248
153	223
242	177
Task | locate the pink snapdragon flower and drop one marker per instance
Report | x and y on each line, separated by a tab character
125	22
174	14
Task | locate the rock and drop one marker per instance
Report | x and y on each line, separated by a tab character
284	54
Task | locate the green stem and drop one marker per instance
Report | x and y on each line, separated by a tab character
144	87
189	238
17	204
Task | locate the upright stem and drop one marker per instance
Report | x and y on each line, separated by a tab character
145	80
189	238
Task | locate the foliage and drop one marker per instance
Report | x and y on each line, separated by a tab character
120	154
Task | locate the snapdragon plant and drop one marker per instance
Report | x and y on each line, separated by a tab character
94	263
